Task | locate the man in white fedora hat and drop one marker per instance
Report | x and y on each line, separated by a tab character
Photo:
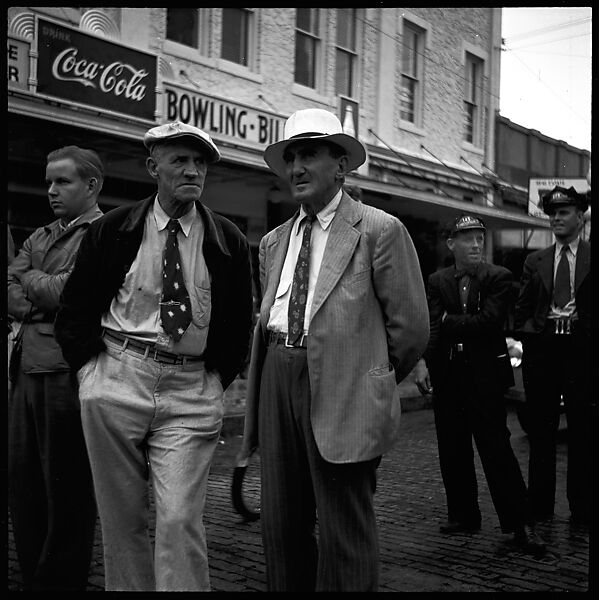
343	320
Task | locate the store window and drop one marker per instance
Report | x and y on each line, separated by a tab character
237	35
412	61
346	56
472	99
307	46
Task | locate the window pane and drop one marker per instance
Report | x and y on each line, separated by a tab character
407	99
343	74
234	35
409	56
304	60
307	19
182	26
346	28
469	122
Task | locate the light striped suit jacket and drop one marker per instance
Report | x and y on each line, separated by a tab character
369	326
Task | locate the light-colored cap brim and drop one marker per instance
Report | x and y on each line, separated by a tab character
356	154
212	152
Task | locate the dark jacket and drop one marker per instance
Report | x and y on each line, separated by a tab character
105	257
536	290
36	278
480	330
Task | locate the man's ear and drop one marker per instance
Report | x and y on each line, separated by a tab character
450	244
151	166
342	165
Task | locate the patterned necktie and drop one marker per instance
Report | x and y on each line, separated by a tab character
299	287
561	289
175	306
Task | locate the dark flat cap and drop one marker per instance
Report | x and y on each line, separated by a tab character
464	223
561	196
177	129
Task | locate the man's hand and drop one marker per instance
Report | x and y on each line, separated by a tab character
422	378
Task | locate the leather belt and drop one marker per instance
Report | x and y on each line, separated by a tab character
149	350
276	337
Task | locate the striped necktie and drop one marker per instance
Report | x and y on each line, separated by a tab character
299	287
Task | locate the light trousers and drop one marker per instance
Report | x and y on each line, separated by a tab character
143	419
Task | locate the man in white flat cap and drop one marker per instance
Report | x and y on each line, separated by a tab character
156	319
343	320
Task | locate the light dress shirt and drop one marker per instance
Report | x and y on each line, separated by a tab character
570	309
278	319
135	310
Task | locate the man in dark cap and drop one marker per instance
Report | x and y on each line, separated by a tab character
469	371
156	320
553	321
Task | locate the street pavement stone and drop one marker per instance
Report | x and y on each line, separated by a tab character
410	505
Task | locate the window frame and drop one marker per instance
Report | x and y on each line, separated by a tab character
202	42
317	38
416	74
352	53
251	35
472	107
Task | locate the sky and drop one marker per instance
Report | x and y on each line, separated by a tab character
546	71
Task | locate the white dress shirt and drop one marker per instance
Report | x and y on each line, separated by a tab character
278	319
570	309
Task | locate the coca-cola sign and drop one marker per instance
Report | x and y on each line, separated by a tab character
88	70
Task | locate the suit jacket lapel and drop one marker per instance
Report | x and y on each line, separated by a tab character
583	264
546	268
341	243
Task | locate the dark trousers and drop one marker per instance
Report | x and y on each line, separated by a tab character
465	409
51	497
300	488
556	366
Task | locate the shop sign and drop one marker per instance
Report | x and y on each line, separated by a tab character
89	70
537	188
222	118
18	63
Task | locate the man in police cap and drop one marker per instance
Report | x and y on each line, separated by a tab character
156	320
553	320
467	365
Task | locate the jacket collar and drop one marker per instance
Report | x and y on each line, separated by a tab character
213	232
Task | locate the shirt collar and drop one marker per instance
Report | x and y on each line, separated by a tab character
324	216
573	245
162	218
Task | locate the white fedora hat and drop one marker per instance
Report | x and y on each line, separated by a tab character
314	124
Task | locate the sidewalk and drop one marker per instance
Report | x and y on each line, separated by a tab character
410	504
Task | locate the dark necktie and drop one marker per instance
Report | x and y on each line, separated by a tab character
561	289
299	287
175	306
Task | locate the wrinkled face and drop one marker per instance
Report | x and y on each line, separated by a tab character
68	193
566	222
313	172
467	247
179	168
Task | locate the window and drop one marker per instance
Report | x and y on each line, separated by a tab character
472	98
182	26
412	53
307	46
346	51
237	23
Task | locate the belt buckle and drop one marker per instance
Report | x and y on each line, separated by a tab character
301	341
